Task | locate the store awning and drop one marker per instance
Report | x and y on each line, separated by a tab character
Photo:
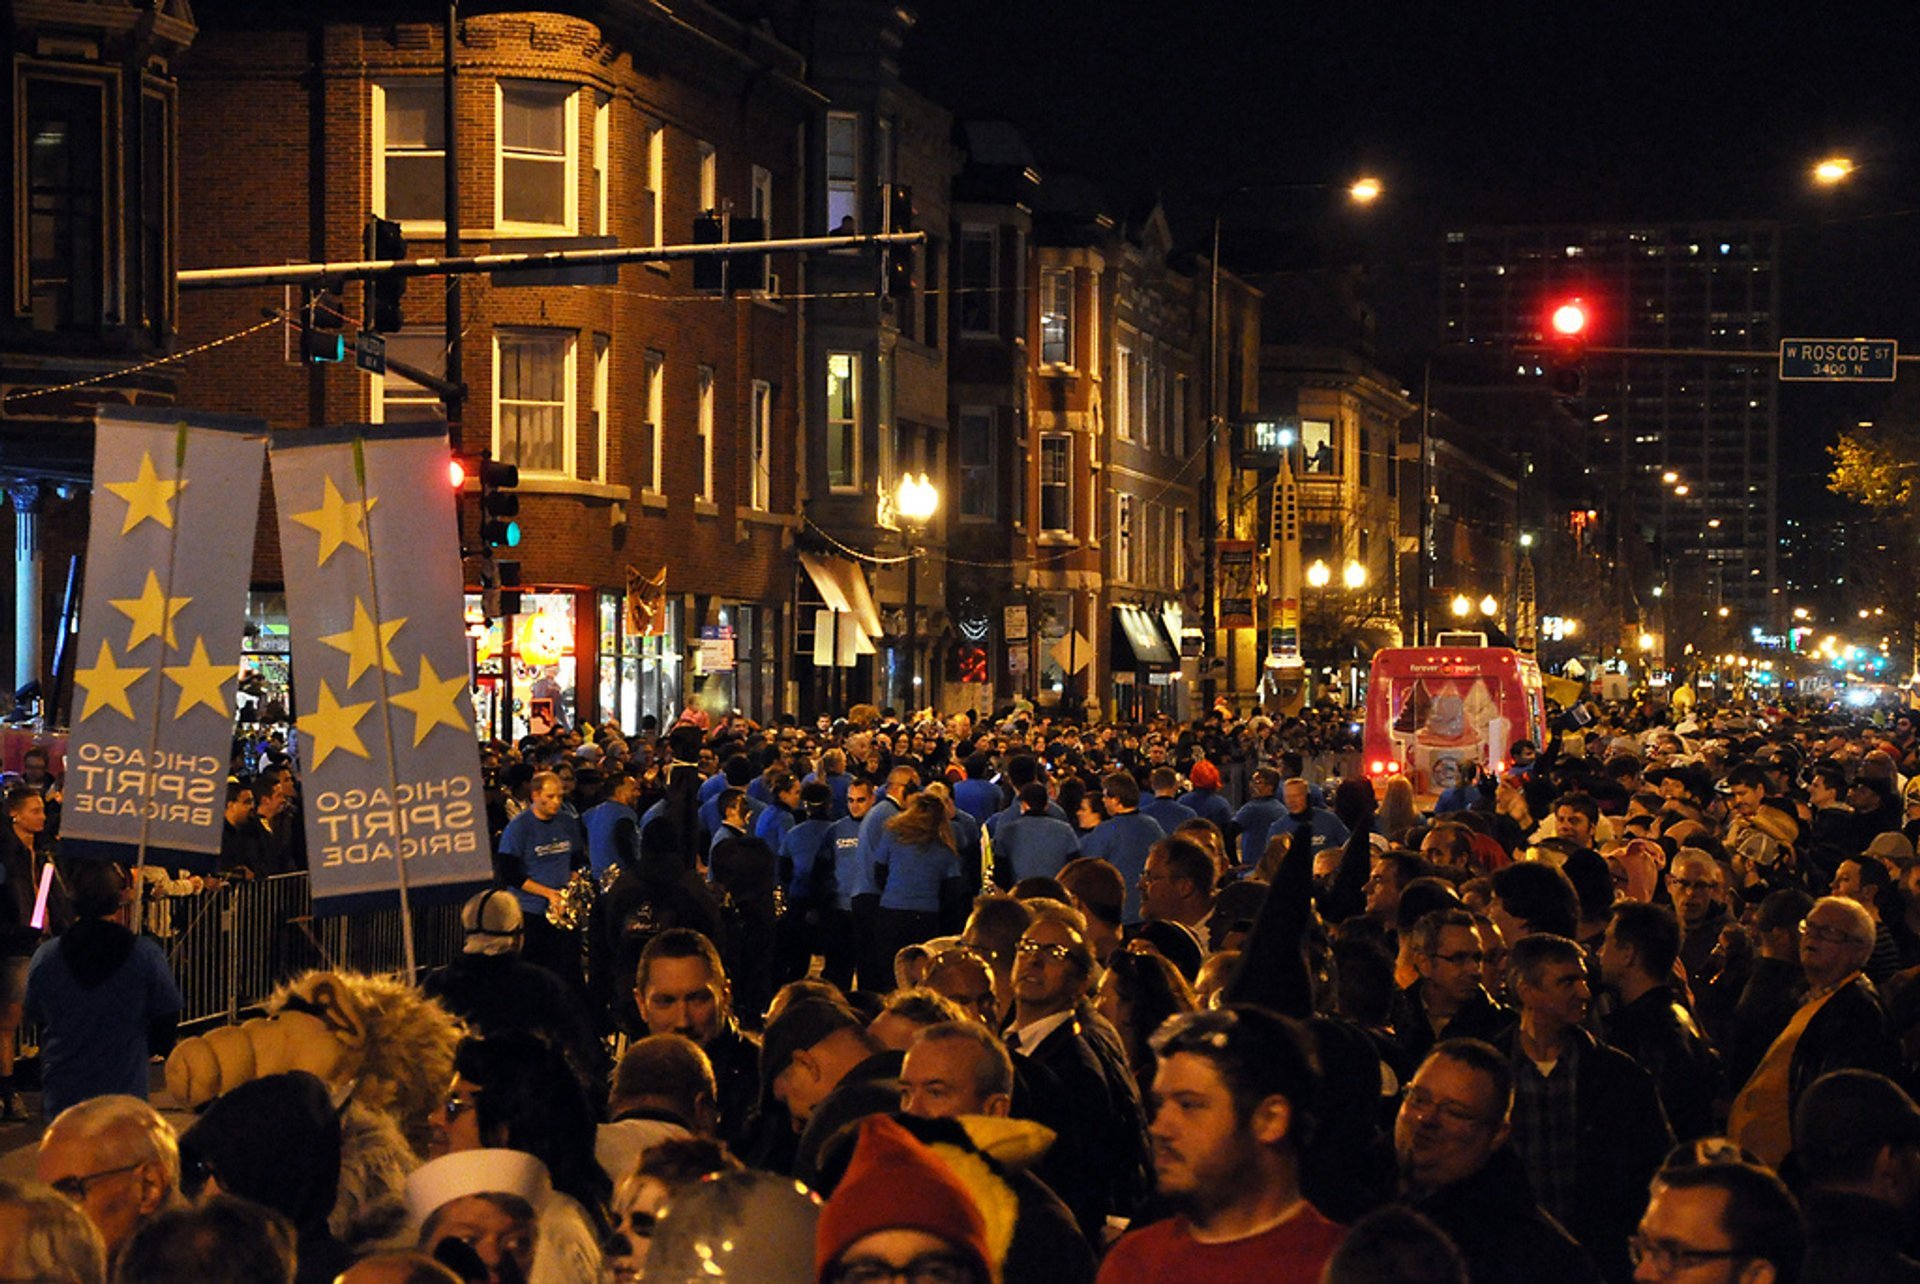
843	587
1136	632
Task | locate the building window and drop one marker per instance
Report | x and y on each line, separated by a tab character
760	482
843	420
537	127
704	422
66	191
602	378
1122	400
397	398
1316	446
1056	484
979	279
709	178
651	432
978	488
156	212
1125	570
410	150
843	172
1177	554
533	400
602	150
763	197
657	180
1178	427
888	437
932	297
1056	317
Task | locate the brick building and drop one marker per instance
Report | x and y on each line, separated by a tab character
654	425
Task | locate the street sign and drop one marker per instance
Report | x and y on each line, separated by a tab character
1015	623
1838	360
370	352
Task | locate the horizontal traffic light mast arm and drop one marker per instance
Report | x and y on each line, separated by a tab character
364	269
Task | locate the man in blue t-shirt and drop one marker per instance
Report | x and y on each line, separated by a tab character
613	828
977	795
1032	844
1164	806
1124	837
1263	810
539	850
876	974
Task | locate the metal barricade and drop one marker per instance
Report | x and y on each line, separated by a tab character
231	947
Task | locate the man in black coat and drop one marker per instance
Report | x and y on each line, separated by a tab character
1448	1001
1856	1142
1650	1024
1456	1170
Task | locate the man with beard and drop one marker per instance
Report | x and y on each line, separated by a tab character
681	988
1234	1097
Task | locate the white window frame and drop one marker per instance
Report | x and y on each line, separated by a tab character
602	386
656	394
602	154
396	389
1056	288
657	180
1122	398
991	237
568	374
846	190
850	427
569	162
436	227
703	427
1062	444
709	175
760	448
762	207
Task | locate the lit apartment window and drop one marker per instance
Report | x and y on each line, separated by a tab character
843	420
397	398
1056	484
978	490
760	481
1316	446
657	180
602	376
410	152
1056	317
602	150
704	424
843	170
537	156
709	178
1122	400
651	431
533	400
66	125
979	274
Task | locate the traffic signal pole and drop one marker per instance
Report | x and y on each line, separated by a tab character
466	265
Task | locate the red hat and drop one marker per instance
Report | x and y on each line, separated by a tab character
1204	775
893	1181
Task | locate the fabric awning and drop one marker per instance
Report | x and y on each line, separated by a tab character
843	587
1143	637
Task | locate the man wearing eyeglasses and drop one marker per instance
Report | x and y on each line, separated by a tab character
1448	1001
1724	1223
1840	1026
1456	1168
116	1158
1696	883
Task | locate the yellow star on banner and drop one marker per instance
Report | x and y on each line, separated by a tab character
332	726
363	648
152	613
146	496
200	681
336	521
106	685
433	703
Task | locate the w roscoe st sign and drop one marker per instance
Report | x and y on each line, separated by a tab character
1838	360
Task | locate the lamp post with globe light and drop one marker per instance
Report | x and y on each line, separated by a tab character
916	499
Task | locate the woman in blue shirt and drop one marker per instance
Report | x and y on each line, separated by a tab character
922	888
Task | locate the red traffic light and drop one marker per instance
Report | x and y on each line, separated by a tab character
1569	320
456	472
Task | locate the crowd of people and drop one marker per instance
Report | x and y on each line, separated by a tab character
1013	999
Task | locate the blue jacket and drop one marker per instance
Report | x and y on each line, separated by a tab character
914	873
1327	829
846	847
1256	821
772	824
613	837
1122	841
859	881
978	798
807	852
1012	810
1170	812
1033	847
1211	804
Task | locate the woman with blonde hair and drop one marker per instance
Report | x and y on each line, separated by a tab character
922	884
1397	814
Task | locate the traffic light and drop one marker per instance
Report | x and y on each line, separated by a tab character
499	505
508	575
459	468
385	241
899	258
709	271
1567	339
734	273
322	314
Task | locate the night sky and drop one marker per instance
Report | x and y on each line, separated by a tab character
1488	113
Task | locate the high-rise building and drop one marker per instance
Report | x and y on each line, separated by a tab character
1682	449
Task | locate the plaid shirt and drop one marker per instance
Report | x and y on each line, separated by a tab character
1546	1124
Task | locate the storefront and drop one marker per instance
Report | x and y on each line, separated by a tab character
640	675
1146	664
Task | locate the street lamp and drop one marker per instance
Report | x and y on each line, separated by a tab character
1489	606
1354	576
1832	170
1461	605
1319	574
915	500
1364	191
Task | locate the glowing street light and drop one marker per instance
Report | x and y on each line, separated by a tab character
1799	612
1683	490
1725	611
1319	573
1526	539
1646	641
1489	606
1365	190
915	499
1832	170
1354	575
1461	605
1669	477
